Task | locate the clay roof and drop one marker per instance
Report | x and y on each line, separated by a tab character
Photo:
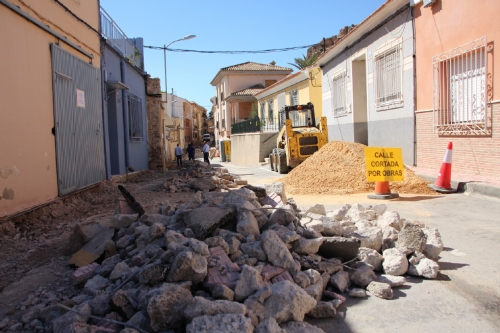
255	66
250	91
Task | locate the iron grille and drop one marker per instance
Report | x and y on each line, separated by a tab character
308	150
339	95
308	140
388	77
254	125
460	98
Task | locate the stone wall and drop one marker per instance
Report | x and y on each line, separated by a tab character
154	110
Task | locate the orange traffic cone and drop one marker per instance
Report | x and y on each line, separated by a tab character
383	191
443	181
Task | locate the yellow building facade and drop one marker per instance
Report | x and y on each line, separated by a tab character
29	28
301	87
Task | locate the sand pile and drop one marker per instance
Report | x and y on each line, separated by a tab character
339	168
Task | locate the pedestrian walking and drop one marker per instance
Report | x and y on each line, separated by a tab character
178	155
206	151
190	152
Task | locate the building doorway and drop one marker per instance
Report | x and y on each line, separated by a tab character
359	100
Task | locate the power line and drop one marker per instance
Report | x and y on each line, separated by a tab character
285	49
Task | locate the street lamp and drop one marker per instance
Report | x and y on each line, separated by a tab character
165	62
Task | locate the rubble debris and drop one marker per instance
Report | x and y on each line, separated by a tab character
199	268
93	249
131	200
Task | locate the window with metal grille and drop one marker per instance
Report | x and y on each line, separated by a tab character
263	109
460	99
339	95
270	110
135	119
388	77
294	97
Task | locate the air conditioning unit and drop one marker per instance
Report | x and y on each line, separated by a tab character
428	3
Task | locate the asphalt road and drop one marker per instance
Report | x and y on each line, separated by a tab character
466	295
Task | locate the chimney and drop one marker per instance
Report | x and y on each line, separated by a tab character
272	63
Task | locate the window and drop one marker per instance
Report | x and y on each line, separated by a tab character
339	95
135	125
460	100
269	82
222	96
270	110
388	74
294	97
263	109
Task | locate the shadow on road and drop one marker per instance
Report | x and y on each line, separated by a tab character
417	198
450	266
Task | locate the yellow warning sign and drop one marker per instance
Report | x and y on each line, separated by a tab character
384	164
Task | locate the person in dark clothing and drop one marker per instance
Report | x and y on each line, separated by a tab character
190	152
178	155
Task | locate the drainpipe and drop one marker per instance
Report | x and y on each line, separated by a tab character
125	116
414	88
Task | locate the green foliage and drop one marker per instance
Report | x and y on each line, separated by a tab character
304	62
254	111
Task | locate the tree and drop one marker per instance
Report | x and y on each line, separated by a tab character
304	62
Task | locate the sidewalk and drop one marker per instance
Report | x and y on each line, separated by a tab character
464	182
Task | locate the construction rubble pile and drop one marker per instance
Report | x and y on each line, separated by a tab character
243	260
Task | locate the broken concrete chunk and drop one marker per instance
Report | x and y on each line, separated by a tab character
277	187
254	250
300	327
379	289
393	281
247	224
301	279
93	249
223	292
362	276
188	266
122	220
268	325
164	308
282	216
434	244
395	262
84	273
277	252
307	246
217	241
369	237
199	306
390	219
426	268
411	237
250	281
288	302
323	310
340	280
204	220
357	292
371	257
315	290
316	209
221	323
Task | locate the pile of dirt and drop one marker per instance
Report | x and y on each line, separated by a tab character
339	168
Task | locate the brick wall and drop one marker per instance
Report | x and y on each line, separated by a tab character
473	155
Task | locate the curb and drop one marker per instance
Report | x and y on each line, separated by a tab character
469	187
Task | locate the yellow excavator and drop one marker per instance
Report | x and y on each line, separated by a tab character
299	137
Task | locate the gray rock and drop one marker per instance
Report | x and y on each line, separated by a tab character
94	285
301	279
323	310
315	290
277	252
221	291
369	237
218	241
123	304
300	327
339	247
317	209
140	320
307	246
393	281
122	220
434	244
282	216
390	233
121	270
247	224
338	214
277	187
426	268
203	185
390	219
153	273
313	275
371	257
379	289
250	281
395	262
63	324
412	238
198	247
199	306
188	266
380	209
204	220
221	323
331	227
358	212
357	292
288	302
254	250
362	276
340	280
165	307
268	325
101	304
329	266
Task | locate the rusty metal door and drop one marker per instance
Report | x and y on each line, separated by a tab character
78	122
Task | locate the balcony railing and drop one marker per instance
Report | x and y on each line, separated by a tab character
119	41
254	125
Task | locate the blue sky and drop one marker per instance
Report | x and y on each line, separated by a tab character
228	25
